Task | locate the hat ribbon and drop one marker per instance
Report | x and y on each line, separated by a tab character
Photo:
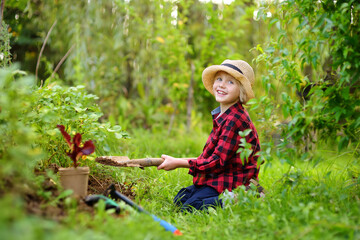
233	67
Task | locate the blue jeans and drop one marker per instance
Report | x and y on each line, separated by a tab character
198	197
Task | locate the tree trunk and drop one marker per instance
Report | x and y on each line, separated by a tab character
172	119
1	12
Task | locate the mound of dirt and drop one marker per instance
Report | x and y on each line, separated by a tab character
42	203
99	185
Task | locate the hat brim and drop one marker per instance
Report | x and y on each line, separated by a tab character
210	72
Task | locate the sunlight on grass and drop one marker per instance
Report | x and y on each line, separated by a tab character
317	198
310	200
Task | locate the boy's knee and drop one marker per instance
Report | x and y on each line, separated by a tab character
199	198
201	203
183	195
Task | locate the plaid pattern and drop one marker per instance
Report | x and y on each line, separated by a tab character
219	166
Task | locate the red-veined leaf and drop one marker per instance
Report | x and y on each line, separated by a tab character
76	150
65	134
77	139
88	148
78	155
71	155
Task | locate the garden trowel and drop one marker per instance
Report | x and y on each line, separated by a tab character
124	161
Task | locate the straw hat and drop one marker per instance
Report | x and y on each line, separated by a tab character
238	69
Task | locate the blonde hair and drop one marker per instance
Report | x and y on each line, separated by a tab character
243	96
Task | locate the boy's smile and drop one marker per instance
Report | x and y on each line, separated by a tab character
226	90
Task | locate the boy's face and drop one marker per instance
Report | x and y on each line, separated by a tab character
226	88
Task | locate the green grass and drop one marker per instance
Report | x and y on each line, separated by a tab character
306	203
311	200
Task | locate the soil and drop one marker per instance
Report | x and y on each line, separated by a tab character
98	185
110	161
43	203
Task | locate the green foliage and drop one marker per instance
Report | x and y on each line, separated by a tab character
145	52
245	149
29	116
144	60
74	108
103	225
301	201
327	83
17	137
140	59
5	55
306	212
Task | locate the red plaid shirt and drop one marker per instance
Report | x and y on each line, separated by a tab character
220	166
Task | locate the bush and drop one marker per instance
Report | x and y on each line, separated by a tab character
17	137
29	115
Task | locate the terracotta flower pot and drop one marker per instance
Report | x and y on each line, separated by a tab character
75	179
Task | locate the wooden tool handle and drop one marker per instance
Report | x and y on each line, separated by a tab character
123	161
147	162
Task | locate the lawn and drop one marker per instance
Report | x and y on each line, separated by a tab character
310	200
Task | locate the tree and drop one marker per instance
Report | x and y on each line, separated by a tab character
318	60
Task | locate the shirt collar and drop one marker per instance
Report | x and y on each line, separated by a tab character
215	111
237	106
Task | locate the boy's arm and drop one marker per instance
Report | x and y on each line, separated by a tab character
171	163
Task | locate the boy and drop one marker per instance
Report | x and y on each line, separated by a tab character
219	167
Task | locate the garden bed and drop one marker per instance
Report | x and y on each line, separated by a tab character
37	204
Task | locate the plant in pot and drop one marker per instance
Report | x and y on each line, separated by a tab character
76	178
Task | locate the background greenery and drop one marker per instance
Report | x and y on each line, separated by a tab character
127	74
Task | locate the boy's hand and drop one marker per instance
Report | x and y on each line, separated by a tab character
171	163
168	164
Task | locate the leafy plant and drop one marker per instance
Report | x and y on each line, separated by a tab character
75	145
5	55
245	149
314	95
77	110
179	38
17	136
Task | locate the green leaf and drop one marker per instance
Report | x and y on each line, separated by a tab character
118	135
79	109
64	194
274	20
268	111
286	110
344	142
106	148
320	21
243	157
252	101
314	61
276	60
141	90
247	132
338	115
285	63
270	50
345	92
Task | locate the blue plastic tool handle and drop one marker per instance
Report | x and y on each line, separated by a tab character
166	225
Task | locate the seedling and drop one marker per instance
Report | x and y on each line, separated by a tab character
77	149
